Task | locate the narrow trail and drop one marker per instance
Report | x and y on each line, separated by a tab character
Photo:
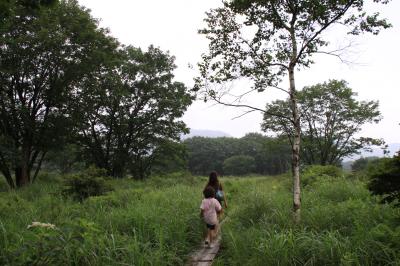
204	256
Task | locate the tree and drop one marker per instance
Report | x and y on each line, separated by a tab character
169	157
129	109
239	165
66	159
6	6
271	154
44	51
266	40
330	119
208	154
361	164
384	177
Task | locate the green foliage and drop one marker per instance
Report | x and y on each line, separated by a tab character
239	165
361	164
169	157
331	117
88	183
341	225
46	49
384	177
139	223
271	155
130	109
264	41
66	159
156	222
65	81
208	154
314	172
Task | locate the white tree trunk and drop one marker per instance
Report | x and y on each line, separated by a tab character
295	148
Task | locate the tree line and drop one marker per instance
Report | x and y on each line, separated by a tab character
253	153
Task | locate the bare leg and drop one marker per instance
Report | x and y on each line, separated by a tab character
206	235
209	236
216	230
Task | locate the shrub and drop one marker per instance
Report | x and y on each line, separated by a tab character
384	177
313	172
361	164
239	165
85	184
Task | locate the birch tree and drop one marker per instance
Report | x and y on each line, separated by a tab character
266	41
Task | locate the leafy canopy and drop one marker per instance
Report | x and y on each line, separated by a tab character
384	177
130	108
45	51
330	119
263	39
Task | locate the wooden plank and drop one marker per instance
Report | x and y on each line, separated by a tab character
199	256
204	256
215	248
207	257
208	263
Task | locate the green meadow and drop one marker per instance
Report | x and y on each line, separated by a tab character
156	222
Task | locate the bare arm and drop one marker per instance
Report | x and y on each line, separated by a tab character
225	203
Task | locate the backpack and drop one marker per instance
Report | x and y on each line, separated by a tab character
219	195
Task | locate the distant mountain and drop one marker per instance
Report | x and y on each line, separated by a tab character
205	133
378	152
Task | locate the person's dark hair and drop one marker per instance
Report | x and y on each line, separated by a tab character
213	180
209	192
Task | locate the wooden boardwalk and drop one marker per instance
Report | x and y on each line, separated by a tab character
205	255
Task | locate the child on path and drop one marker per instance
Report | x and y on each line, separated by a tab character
210	207
217	185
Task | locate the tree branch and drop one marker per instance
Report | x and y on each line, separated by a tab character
245	113
248	106
304	46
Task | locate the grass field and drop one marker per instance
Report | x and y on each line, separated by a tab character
140	223
341	225
156	222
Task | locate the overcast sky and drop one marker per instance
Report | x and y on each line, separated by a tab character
172	25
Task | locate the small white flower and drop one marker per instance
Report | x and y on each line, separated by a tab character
44	225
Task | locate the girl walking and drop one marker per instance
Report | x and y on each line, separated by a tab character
219	191
210	207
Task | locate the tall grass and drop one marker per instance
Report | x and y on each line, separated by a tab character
141	223
341	225
156	222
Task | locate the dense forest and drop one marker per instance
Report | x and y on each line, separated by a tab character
94	169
